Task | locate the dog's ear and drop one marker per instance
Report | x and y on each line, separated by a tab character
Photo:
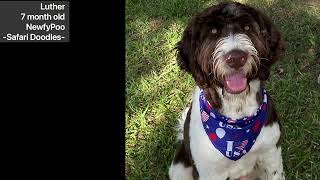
274	44
188	51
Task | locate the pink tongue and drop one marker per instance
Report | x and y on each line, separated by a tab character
235	83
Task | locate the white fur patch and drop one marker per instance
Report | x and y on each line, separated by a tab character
240	105
235	41
180	172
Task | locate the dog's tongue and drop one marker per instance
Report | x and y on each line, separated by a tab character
235	83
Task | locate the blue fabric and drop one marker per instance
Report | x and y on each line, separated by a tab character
232	137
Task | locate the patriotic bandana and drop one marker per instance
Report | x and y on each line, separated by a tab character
232	137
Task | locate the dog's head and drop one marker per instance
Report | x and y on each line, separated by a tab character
228	45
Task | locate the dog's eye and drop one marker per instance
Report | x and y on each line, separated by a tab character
246	28
214	31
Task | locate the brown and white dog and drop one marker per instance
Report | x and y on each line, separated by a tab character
229	49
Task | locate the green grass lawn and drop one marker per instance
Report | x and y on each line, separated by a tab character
157	91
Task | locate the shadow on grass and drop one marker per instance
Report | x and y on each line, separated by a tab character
159	15
295	92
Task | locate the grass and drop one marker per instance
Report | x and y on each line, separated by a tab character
157	91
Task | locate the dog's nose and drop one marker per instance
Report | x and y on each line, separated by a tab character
236	58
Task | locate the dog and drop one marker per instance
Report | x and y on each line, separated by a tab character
231	129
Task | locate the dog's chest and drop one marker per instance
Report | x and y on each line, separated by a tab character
209	161
239	106
236	108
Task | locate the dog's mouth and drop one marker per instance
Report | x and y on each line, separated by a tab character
235	83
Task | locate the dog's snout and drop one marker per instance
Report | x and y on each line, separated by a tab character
236	58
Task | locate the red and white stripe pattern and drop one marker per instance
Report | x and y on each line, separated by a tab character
205	116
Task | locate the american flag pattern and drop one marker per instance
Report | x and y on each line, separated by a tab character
205	116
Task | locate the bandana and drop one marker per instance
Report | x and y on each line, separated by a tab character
232	137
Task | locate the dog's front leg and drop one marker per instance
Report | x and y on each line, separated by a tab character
271	161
